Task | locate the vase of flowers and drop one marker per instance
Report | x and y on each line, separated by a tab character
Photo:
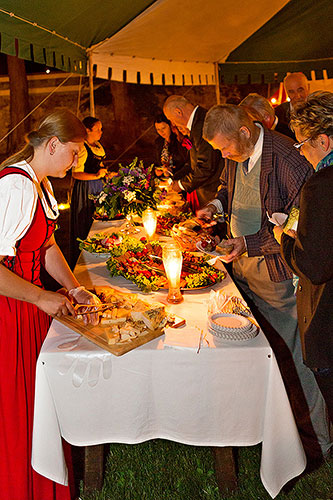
128	192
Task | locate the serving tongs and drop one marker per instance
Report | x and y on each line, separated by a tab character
92	308
235	305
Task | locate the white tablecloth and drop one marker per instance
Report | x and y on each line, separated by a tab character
229	394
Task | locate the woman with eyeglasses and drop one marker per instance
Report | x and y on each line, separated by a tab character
309	252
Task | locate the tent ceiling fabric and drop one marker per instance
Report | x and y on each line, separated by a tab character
178	42
165	41
82	22
298	38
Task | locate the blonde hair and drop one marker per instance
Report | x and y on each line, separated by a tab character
226	119
62	124
314	116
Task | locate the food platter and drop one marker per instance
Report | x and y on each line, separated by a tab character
98	254
103	243
141	263
189	232
95	335
187	290
129	323
166	221
203	250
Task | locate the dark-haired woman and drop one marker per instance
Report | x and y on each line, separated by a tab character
172	153
28	215
171	156
87	175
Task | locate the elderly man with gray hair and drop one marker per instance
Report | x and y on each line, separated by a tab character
264	174
206	165
264	112
297	89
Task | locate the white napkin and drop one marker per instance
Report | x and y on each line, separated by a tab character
188	339
217	299
278	218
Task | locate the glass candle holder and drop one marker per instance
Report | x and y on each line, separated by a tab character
129	227
149	220
172	261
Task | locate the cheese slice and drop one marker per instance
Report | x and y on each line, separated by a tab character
153	317
111	335
112	321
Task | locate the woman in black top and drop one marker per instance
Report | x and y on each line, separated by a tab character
87	177
171	155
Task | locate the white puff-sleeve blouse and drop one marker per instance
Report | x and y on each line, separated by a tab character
18	200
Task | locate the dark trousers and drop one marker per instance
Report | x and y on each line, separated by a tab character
325	382
276	303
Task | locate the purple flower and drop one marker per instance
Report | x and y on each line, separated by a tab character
135	172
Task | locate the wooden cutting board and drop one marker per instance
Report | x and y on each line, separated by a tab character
93	333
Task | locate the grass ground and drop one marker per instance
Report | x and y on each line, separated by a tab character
163	470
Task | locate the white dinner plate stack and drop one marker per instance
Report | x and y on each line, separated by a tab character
231	327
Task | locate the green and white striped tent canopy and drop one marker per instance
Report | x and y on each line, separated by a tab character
179	42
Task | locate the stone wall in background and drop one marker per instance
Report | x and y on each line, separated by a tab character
127	111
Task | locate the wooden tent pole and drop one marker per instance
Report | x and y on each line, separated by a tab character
217	83
91	86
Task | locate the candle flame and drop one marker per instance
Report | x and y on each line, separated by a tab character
149	220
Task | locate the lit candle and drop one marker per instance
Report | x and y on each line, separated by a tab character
149	220
172	261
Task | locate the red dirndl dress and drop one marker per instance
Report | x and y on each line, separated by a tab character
23	328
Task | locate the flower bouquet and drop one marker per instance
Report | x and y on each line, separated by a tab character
129	192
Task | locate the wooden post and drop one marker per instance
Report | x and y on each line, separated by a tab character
93	467
91	86
217	83
225	468
19	102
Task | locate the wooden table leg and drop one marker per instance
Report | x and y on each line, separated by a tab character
225	468
93	467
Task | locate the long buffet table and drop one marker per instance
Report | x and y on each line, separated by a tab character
228	394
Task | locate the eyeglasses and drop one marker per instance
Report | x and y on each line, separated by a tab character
298	145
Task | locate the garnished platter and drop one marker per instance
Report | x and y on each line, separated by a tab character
102	243
166	221
126	323
140	261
